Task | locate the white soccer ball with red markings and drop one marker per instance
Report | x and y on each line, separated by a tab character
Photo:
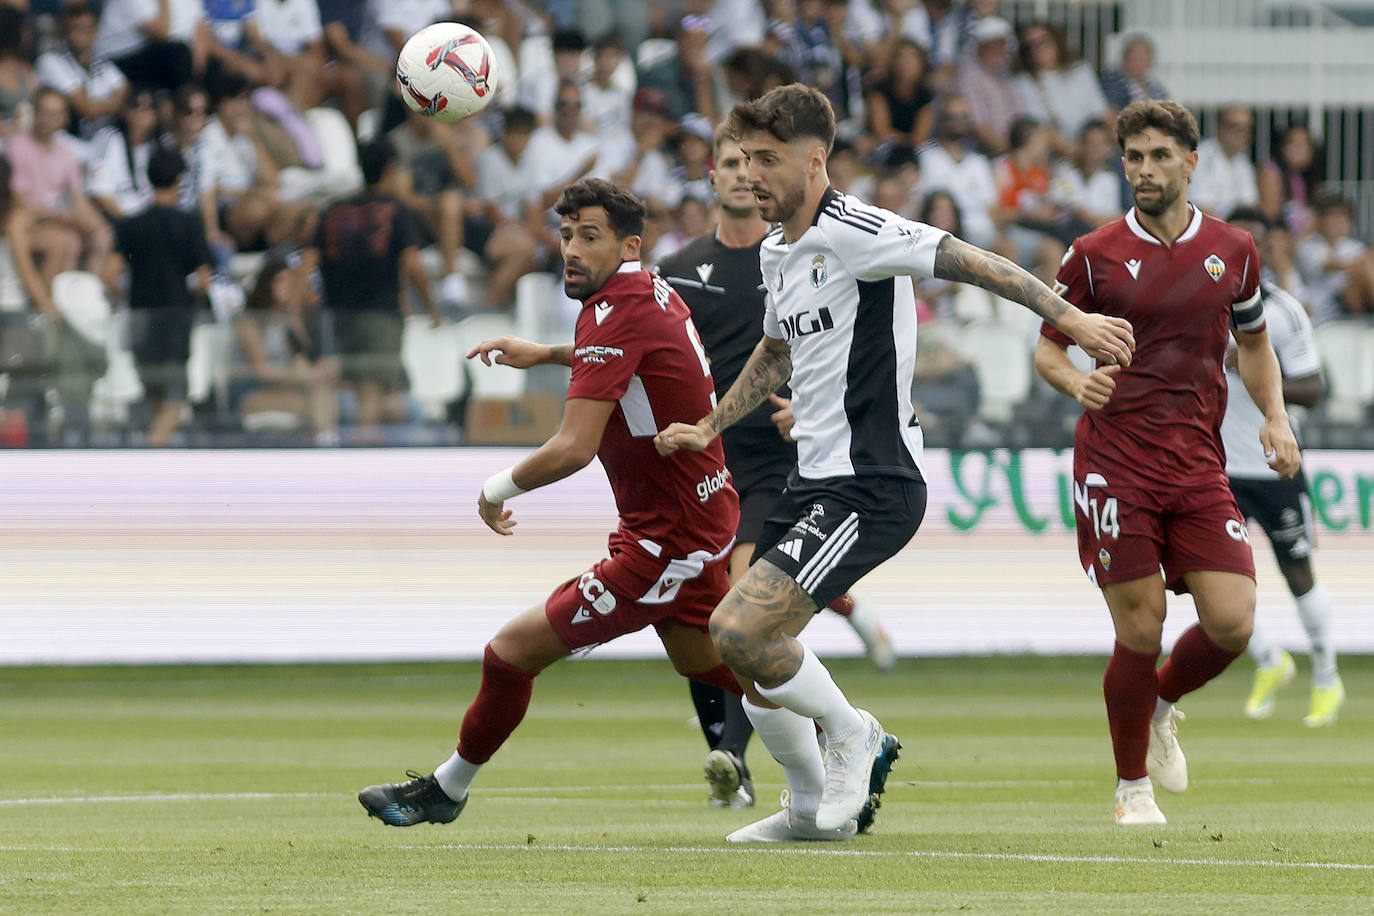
447	71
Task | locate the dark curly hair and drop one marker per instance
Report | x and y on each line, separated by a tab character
624	211
787	112
1164	115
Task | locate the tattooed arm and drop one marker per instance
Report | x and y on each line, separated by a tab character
1103	337
768	367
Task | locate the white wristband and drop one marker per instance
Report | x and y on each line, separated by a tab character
500	487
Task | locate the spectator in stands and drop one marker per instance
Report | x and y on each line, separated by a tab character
606	99
985	81
277	361
648	170
936	26
20	282
1040	227
231	40
1134	80
939	209
827	59
95	89
1225	175
685	77
1287	182
153	42
561	152
950	163
367	250
847	173
1337	269
190	114
695	147
901	106
435	168
539	83
117	178
344	23
17	79
506	180
1056	88
159	248
1088	185
47	176
291	30
238	178
504	226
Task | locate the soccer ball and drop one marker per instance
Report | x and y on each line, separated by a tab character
447	71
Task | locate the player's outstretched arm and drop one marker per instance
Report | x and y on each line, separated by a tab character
1091	389
1259	370
1104	337
568	451
768	367
520	353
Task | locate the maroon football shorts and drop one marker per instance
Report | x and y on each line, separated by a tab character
634	589
1126	533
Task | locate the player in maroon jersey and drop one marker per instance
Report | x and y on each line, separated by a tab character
1150	484
637	365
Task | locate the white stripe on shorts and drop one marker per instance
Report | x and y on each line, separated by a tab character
840	542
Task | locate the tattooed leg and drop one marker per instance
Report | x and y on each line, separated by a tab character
755	626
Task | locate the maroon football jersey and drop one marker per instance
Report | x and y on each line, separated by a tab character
635	344
1161	427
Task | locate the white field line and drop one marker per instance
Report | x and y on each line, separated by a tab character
809	850
507	793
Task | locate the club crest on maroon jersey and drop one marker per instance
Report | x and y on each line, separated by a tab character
1216	267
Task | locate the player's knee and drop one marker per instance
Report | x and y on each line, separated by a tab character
731	633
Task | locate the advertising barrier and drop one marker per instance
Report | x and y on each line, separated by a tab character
227	556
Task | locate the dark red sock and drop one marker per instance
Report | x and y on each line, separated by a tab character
1194	661
1130	688
720	676
843	605
498	708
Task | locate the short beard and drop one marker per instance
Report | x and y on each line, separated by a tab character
787	206
1167	196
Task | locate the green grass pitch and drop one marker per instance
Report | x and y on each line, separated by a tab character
231	789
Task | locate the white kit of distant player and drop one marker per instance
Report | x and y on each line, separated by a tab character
447	71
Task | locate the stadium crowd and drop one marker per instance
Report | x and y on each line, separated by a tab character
251	138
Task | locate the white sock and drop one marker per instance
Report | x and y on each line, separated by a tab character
1162	707
791	739
454	776
864	620
812	693
1264	652
1141	783
1315	610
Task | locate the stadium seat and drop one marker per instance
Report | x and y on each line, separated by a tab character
434	365
496	382
1002	359
1347	354
340	175
208	367
80	297
537	315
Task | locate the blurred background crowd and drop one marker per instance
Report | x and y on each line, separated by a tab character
219	225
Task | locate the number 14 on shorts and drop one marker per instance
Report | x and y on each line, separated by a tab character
1100	512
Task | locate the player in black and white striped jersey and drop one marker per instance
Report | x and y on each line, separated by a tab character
842	327
1280	505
